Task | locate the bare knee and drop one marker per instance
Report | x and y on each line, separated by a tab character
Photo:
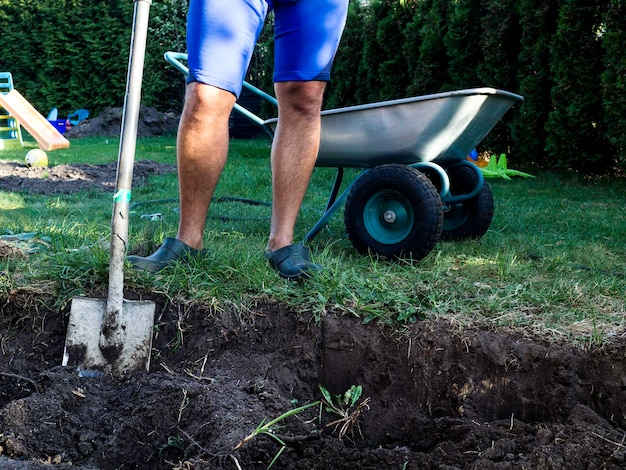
301	98
205	102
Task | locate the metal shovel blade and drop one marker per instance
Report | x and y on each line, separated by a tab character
134	328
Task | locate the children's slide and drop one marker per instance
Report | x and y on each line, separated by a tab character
46	135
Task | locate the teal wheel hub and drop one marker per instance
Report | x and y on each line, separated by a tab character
388	216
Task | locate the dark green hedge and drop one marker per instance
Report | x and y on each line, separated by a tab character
566	57
73	54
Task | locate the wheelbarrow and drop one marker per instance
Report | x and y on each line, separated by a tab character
417	186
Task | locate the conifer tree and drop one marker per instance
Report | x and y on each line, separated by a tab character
576	127
368	78
500	40
538	20
425	49
614	78
463	44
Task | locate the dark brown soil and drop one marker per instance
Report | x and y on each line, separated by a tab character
440	396
64	179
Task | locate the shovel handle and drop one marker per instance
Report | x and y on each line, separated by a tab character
126	157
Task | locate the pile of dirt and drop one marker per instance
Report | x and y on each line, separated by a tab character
109	123
63	179
438	397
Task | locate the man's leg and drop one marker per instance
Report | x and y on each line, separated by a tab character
202	149
220	40
306	37
294	152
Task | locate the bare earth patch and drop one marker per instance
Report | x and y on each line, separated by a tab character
70	178
441	397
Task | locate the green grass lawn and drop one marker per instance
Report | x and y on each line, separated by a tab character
552	263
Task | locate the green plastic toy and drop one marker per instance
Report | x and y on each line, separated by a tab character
497	168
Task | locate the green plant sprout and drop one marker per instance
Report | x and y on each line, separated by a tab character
497	168
269	429
346	406
173	442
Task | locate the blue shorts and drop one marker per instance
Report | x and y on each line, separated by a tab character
221	35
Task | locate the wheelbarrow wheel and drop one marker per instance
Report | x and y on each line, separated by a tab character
394	211
469	219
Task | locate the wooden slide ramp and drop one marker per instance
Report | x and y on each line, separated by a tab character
46	135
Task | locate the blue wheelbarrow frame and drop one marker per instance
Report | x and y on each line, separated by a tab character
432	134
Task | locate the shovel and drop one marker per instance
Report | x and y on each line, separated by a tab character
114	336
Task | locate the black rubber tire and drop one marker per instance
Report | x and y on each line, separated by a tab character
394	211
470	219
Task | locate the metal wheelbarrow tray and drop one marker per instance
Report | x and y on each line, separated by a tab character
417	186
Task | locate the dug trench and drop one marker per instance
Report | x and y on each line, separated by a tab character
434	395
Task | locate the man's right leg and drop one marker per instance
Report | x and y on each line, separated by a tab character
220	40
202	148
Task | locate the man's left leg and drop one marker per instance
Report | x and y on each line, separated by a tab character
294	152
307	34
